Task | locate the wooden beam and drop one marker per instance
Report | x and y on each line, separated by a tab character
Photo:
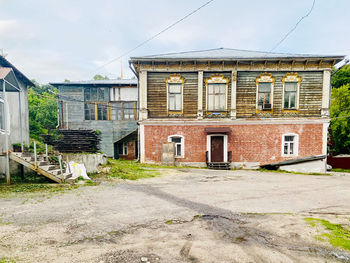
305	64
320	64
278	64
293	62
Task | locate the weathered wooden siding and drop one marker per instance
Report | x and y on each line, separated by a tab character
310	97
157	94
208	75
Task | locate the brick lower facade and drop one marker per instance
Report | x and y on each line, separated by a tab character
249	143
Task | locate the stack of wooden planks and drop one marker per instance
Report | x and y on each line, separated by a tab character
74	141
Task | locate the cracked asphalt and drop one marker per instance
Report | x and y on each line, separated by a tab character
186	215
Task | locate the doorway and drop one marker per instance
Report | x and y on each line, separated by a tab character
217	147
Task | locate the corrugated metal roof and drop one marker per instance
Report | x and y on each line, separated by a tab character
229	53
108	82
4	72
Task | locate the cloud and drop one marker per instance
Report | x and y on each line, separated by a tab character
8	26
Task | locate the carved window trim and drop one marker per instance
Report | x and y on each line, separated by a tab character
291	77
216	79
265	78
175	79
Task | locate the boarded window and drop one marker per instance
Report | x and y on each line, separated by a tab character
2	117
175	97
216	97
264	95
289	145
290	95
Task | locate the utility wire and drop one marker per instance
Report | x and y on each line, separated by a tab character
296	25
152	37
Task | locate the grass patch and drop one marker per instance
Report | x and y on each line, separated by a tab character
129	170
6	260
34	188
341	170
337	235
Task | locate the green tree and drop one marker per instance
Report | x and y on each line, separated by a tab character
100	77
341	77
42	109
340	124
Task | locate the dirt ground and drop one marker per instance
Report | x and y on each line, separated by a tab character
186	215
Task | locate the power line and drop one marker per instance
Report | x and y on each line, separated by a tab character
152	37
296	25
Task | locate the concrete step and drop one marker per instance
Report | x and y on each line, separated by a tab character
219	166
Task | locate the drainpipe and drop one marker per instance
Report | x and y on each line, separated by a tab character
7	164
138	112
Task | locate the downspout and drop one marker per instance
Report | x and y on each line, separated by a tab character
138	112
7	164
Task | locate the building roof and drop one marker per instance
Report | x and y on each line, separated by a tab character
108	82
5	63
8	75
231	54
4	72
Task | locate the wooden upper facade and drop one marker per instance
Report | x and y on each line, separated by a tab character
233	84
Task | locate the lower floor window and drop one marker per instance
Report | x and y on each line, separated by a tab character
122	148
96	111
289	145
178	142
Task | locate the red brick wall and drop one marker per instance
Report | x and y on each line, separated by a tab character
248	143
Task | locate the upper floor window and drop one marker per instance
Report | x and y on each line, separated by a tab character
175	85
178	141
264	98
96	94
290	145
216	87
291	84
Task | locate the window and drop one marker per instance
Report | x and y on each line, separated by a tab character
122	148
123	110
290	145
216	97
96	94
264	98
2	117
290	95
175	84
175	98
178	141
129	110
216	88
97	111
291	84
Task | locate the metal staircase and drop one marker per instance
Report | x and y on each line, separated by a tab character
41	165
219	166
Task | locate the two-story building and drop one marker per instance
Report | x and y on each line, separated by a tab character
14	116
235	107
109	106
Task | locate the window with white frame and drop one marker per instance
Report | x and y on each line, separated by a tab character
179	145
216	87
122	148
265	91
291	84
175	84
290	145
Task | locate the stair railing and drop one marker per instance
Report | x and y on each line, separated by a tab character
35	157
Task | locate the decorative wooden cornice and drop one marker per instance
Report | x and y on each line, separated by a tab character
265	77
175	79
291	77
216	78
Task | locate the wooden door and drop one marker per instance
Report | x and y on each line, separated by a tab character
217	149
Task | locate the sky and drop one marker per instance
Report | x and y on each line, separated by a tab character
54	40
